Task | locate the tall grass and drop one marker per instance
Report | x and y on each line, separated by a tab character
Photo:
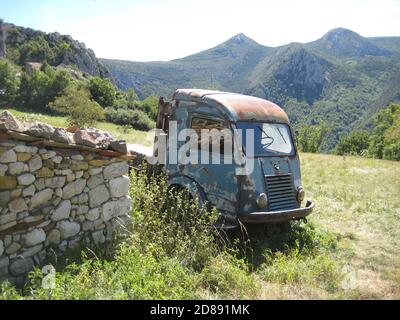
172	250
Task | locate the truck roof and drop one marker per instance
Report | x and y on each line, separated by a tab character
237	106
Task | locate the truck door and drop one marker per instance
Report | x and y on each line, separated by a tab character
217	175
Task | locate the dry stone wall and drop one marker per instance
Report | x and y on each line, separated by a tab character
53	199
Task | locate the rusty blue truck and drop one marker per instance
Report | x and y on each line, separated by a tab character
270	191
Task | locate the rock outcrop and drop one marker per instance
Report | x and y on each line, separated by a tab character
302	75
9	122
69	51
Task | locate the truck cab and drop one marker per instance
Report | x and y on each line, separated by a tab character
250	173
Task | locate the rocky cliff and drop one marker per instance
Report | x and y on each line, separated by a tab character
24	45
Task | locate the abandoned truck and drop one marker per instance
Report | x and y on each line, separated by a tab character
262	185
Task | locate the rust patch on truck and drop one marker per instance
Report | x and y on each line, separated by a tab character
248	108
241	107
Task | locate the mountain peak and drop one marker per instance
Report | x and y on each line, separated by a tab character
340	33
240	38
346	43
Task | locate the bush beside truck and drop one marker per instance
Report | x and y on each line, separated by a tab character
382	142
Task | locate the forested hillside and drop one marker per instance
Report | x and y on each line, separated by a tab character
341	78
22	45
56	75
339	81
341	88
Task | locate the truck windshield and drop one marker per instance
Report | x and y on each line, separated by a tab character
270	139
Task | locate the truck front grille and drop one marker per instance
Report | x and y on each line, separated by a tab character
281	192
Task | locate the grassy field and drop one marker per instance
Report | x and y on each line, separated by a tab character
119	132
349	249
358	199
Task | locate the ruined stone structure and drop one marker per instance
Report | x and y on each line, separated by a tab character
56	196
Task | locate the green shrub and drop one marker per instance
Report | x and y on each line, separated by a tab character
132	274
42	87
355	143
8	291
149	106
392	151
36	49
385	137
171	239
167	223
134	118
8	81
102	91
311	137
131	97
80	109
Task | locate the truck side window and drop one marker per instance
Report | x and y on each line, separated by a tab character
207	143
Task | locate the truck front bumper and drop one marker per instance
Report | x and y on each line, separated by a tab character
277	216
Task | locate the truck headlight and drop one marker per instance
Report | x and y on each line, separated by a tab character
262	200
300	194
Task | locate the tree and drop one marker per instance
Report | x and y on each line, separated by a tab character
61	80
310	137
150	106
33	90
131	97
8	81
102	91
354	143
36	49
120	100
135	118
42	87
392	151
77	105
385	137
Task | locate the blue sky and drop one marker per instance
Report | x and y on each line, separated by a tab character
162	30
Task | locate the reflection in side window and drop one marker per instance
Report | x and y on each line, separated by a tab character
204	123
210	141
